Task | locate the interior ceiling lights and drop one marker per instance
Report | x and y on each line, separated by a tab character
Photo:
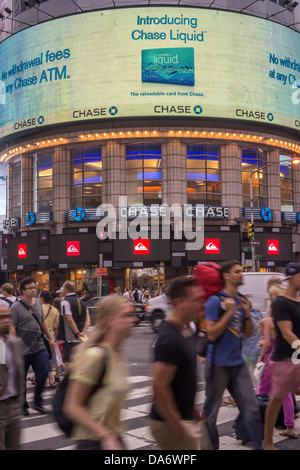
99	136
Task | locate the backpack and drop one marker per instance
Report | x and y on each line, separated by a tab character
8	301
63	422
208	275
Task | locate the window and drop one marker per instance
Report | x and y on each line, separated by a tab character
15	199
286	183
203	175
86	177
254	158
143	174
42	183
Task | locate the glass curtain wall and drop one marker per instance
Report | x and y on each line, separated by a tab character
143	174
203	174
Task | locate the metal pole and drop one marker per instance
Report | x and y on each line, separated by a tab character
252	221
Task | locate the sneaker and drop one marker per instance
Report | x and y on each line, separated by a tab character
42	410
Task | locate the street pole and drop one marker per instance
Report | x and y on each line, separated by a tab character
252	221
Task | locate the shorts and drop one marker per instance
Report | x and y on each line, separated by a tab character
285	378
164	436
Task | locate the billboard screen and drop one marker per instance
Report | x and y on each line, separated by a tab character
140	62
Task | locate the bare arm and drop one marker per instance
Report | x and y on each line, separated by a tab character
74	407
248	326
215	329
87	323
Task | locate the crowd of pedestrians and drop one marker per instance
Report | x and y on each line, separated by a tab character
49	334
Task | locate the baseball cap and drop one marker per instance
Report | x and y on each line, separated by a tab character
291	269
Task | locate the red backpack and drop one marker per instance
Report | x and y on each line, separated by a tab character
208	275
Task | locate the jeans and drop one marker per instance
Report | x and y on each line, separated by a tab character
39	363
237	381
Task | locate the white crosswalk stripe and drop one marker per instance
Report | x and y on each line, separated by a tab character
41	432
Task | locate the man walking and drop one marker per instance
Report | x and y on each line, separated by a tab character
29	324
174	420
285	365
11	384
74	320
7	297
227	319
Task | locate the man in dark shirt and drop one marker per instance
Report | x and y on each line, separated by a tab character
174	420
285	372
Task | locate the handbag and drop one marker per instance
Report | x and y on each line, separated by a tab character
43	336
259	370
261	366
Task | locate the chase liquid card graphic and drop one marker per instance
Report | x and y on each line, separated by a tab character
169	65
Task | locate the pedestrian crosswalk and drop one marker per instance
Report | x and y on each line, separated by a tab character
40	432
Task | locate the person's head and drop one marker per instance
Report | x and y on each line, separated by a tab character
68	288
292	272
28	287
5	321
273	281
232	273
45	296
275	290
186	297
56	303
7	289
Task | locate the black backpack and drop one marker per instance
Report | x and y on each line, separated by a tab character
8	301
63	422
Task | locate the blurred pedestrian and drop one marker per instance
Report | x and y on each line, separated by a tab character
51	315
7	296
227	319
98	424
29	324
74	320
285	366
174	418
268	345
11	384
56	302
251	348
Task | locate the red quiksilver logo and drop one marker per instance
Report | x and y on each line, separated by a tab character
141	247
73	248
273	247
22	251
212	245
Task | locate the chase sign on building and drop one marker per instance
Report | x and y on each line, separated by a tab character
154	61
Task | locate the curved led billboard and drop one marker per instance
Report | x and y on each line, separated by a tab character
150	61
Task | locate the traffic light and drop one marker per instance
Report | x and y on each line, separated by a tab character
250	231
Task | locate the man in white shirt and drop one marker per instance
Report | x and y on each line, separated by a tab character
73	322
7	298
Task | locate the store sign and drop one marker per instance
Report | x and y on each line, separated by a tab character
141	246
73	248
11	223
273	247
22	250
212	245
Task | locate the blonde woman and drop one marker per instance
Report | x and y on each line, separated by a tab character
97	415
